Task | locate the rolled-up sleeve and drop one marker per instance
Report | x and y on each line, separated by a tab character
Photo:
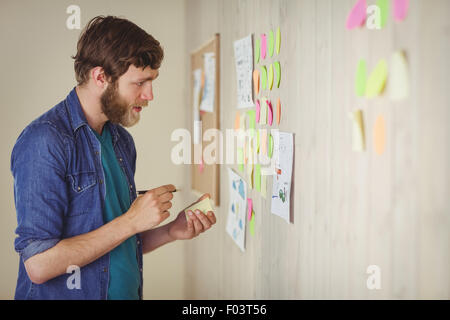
38	165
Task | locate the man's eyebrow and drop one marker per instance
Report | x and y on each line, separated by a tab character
148	78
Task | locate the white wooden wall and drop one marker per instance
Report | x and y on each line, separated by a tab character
351	209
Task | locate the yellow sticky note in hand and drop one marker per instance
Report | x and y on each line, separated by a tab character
204	206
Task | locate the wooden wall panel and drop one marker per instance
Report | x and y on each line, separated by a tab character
351	210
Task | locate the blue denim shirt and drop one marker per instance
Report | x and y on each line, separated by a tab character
59	193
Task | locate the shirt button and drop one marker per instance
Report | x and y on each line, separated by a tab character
101	181
138	242
79	188
120	159
131	187
105	269
97	153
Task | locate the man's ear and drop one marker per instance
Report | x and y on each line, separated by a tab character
99	78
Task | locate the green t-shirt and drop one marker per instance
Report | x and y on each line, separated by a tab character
124	275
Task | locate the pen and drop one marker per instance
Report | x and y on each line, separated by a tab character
144	191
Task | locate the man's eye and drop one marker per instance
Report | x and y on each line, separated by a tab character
140	83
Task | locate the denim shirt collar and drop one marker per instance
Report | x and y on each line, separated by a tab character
78	119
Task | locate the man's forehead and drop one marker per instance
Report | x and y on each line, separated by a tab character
138	72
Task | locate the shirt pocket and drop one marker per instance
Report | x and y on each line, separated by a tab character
82	192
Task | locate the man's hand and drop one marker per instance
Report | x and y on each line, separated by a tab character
150	209
196	223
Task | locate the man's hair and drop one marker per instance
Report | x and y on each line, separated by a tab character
114	44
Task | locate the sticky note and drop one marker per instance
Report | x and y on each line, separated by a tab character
256	81
257	50
357	15
357	130
263	186
263	112
377	80
263	78
263	145
263	46
237	121
270	77
257	111
270	43
269	113
252	224
278	40
360	78
278	111
250	175
270	146
243	120
240	159
257	177
400	9
251	122
379	135
383	5
277	68
398	77
257	141
249	209
204	206
201	166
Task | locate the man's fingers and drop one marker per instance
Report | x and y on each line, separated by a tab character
164	189
212	218
165	206
166	197
198	227
203	219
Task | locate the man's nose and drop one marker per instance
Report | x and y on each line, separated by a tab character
147	93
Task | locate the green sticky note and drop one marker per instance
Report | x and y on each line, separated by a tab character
257	142
257	50
271	43
277	73
240	159
252	224
384	11
270	146
278	40
263	78
257	177
360	78
251	121
377	80
270	77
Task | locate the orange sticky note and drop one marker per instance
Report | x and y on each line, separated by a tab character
278	111
256	81
237	121
379	135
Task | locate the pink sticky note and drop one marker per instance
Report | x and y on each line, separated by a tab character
258	111
357	15
249	209
269	113
400	9
263	46
201	166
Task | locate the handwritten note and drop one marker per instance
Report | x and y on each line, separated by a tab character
281	188
243	53
237	209
207	103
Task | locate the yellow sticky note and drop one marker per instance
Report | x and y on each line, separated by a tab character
358	130
270	77
204	206
377	80
398	77
278	41
263	186
250	175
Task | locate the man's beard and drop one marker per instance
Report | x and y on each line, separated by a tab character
116	109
